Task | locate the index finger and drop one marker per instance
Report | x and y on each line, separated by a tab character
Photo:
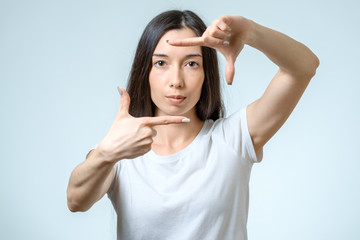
164	120
195	41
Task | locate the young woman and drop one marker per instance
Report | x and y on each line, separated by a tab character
172	166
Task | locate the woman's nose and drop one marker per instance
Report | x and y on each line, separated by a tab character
176	79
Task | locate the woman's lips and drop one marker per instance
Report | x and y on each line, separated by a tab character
175	99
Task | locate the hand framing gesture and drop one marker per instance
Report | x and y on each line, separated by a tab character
130	137
227	34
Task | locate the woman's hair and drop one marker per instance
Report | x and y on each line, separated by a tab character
210	104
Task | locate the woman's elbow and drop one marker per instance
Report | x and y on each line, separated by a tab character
75	205
312	67
307	69
73	208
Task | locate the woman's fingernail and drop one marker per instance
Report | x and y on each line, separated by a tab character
228	35
185	120
120	92
226	43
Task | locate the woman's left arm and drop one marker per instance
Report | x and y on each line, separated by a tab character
297	65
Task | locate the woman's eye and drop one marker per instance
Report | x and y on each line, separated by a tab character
192	64
160	63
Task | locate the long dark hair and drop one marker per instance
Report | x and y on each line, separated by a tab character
210	105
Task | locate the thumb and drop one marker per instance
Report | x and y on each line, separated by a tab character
229	70
124	101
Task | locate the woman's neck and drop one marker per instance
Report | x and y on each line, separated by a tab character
175	137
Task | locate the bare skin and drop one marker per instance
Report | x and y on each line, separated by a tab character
127	138
176	80
297	65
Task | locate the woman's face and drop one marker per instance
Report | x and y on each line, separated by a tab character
176	76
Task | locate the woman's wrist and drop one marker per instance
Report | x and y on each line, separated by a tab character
104	156
252	34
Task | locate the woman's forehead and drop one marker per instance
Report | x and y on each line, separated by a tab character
163	47
180	33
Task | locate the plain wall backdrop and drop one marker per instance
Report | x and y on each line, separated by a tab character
60	63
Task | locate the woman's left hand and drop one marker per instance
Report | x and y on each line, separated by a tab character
227	34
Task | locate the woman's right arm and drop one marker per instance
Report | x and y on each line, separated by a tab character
89	181
127	138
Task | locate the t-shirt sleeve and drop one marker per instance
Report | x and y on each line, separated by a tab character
237	136
115	182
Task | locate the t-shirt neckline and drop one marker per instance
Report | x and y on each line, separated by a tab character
176	156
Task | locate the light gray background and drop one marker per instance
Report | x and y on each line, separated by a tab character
60	63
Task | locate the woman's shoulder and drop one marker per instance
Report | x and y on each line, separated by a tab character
236	117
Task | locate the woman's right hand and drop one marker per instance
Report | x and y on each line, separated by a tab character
130	137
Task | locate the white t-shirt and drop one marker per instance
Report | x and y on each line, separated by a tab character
200	192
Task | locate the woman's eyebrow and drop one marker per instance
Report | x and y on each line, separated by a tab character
159	55
193	55
187	56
